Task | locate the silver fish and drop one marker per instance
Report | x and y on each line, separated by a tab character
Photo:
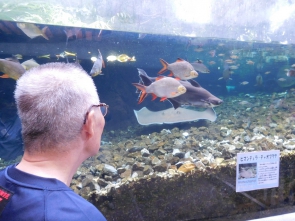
165	87
180	69
200	67
97	66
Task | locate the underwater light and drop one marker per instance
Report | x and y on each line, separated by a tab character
93	59
197	11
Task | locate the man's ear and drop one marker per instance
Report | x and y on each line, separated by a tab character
88	127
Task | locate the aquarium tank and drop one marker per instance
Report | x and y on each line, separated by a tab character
220	146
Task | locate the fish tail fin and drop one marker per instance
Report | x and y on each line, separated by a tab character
143	93
44	31
163	98
4	76
165	65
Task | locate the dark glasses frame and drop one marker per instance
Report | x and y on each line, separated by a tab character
97	105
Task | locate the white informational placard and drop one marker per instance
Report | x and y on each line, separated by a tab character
257	170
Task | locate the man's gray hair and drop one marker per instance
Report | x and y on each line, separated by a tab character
52	101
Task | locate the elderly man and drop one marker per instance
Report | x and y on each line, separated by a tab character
62	122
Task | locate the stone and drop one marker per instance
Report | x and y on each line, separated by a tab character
134	149
187	167
156	161
289	144
126	174
102	182
247	139
110	170
153	148
162	167
147	169
137	174
144	152
121	170
137	166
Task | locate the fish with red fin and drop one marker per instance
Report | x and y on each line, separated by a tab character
165	87
180	69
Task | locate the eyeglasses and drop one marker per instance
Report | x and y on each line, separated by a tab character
103	109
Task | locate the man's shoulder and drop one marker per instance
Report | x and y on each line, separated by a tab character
78	206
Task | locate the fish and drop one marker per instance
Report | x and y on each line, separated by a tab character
97	66
65	54
268	72
244	83
169	116
234	67
200	67
17	56
195	95
212	53
229	61
234	56
180	69
282	79
199	49
28	64
291	72
245	103
259	80
44	56
11	68
226	73
250	62
111	58
32	31
164	87
125	58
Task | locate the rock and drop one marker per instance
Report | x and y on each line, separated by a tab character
159	152
102	182
88	182
110	170
289	144
147	169
134	149
171	159
137	167
137	174
121	170
108	178
224	131
145	152
203	129
156	161
175	151
187	167
162	167
179	155
247	139
126	174
153	148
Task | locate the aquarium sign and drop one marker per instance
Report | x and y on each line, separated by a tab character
257	170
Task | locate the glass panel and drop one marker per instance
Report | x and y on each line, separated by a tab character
242	101
264	21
